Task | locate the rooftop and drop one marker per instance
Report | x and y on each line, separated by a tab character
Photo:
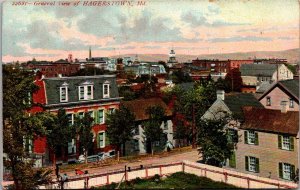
139	107
289	86
258	69
236	101
268	120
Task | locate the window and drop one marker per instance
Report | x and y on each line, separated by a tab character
81	115
251	137
286	171
28	144
252	164
268	101
86	92
291	103
81	92
105	90
285	142
72	147
111	110
165	125
92	115
101	139
232	135
70	119
101	116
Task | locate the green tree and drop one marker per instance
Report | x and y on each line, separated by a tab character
19	127
180	77
127	93
292	68
83	128
181	131
153	132
223	84
233	77
59	127
213	140
121	124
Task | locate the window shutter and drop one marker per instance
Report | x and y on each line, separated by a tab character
106	140
292	172
280	170
232	160
235	138
256	138
247	163
96	116
292	143
246	137
257	165
280	141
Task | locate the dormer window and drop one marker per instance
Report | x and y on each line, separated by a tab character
106	90
85	92
63	94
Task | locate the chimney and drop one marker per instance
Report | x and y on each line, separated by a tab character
221	94
284	107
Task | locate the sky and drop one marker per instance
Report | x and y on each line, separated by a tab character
192	27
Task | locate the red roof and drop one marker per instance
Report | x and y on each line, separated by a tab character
268	120
139	107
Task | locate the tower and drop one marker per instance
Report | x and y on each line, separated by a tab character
172	58
70	58
90	53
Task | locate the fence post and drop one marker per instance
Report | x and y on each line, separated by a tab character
87	182
183	167
107	179
160	172
146	169
225	176
248	182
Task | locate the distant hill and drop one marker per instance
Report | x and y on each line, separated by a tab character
292	56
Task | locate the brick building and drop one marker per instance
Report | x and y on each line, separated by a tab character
96	95
54	69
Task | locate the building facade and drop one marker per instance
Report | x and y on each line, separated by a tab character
94	95
139	144
269	148
283	92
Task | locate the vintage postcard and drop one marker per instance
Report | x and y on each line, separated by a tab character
144	94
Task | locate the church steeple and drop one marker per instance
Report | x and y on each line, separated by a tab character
90	53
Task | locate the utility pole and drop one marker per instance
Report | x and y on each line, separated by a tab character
193	128
232	80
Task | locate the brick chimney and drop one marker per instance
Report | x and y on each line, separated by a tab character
221	94
284	106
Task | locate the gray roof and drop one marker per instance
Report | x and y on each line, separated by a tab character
52	88
264	86
292	86
236	101
258	69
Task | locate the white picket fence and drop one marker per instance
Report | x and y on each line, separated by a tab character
217	174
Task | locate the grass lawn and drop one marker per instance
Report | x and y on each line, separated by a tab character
177	180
